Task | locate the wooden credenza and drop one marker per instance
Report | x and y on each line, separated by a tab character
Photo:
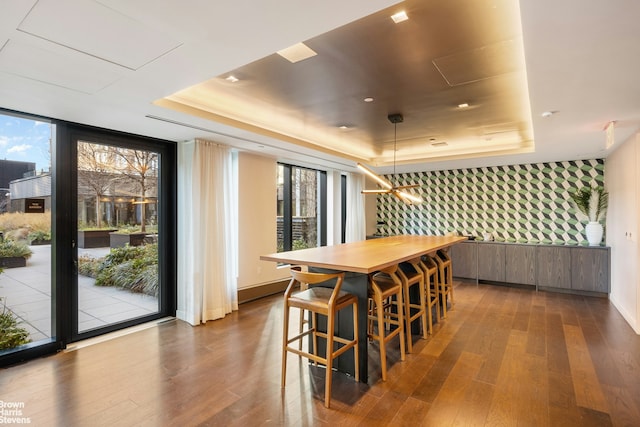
580	269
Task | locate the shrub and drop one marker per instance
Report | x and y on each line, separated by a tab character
31	221
88	265
9	248
11	334
38	235
132	267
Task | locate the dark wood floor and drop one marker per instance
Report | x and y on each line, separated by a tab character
503	357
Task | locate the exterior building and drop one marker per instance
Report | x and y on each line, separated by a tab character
118	205
11	170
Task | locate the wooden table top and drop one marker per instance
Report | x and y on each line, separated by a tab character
366	256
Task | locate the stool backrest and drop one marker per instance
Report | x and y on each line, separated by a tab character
306	279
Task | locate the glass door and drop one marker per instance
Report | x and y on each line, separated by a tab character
122	239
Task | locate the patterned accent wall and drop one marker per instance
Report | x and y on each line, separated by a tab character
520	203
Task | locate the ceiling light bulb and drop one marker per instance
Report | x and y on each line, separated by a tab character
368	99
399	17
463	105
548	113
232	79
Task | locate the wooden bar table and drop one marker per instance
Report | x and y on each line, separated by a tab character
358	260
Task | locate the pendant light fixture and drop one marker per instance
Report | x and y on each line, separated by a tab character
388	187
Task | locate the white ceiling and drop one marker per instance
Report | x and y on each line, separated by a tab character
105	63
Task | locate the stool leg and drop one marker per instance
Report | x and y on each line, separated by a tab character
400	324
381	329
443	290
329	359
450	280
437	295
285	338
423	304
407	316
314	325
356	350
301	325
428	306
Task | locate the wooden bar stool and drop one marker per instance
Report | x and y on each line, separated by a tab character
445	279
383	286
430	269
411	274
327	302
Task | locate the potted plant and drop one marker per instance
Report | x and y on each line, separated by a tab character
592	202
123	237
39	237
13	254
91	237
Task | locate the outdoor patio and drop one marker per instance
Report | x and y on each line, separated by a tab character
27	292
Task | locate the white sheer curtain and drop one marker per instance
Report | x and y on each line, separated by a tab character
210	233
355	224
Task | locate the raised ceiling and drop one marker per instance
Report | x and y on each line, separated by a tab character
454	70
117	64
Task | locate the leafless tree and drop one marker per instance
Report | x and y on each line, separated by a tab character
140	166
96	172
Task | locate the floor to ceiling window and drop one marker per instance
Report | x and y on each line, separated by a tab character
301	216
99	228
25	233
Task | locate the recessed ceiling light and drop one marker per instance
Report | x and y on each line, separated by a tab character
463	105
439	144
399	17
343	127
232	79
548	113
368	99
297	53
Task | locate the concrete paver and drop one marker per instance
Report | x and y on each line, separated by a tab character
27	292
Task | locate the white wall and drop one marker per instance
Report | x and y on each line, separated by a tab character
370	207
257	221
621	181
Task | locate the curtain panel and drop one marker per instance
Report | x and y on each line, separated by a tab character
209	276
355	229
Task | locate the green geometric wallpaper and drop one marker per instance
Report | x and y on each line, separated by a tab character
520	203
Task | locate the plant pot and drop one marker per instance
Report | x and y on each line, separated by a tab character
594	231
13	262
94	238
120	240
40	242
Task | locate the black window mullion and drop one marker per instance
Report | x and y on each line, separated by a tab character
287	211
343	208
323	208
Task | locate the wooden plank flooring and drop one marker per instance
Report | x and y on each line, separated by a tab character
503	357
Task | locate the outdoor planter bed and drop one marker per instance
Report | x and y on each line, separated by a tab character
94	238
40	242
120	240
13	262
